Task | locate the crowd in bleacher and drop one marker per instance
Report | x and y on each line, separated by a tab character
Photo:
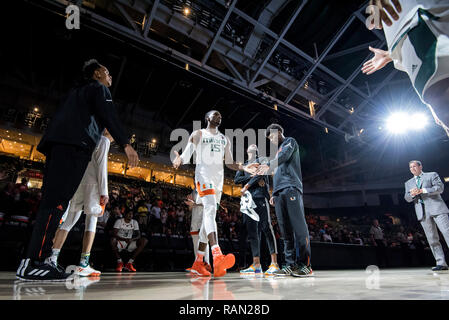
159	209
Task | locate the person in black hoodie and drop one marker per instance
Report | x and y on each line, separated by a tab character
287	199
68	143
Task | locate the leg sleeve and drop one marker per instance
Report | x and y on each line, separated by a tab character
91	222
263	210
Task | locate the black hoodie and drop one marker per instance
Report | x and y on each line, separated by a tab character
287	167
82	117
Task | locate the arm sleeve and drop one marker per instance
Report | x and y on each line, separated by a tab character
284	155
106	114
241	178
187	153
437	185
254	180
101	158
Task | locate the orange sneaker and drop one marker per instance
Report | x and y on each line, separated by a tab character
129	266
199	268
208	267
119	267
223	262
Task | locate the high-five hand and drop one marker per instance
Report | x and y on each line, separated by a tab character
251	168
177	161
384	6
262	170
131	154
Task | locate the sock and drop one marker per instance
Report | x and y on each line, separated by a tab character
206	255
200	256
84	261
216	251
54	256
196	241
130	260
119	261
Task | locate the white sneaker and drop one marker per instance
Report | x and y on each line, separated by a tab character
87	272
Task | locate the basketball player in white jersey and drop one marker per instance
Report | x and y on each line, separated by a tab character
211	147
418	43
92	196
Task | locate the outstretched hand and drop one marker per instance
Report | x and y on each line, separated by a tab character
177	161
381	59
133	157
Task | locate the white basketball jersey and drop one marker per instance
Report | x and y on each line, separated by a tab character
210	153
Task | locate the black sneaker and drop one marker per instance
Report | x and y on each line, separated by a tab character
29	271
285	271
440	268
303	271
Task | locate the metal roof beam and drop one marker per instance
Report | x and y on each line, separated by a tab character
149	18
374	94
279	39
219	31
345	52
320	59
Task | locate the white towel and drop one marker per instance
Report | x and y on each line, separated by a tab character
247	206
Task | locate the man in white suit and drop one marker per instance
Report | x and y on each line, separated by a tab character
425	190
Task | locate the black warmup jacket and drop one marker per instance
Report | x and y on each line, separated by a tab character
82	117
287	167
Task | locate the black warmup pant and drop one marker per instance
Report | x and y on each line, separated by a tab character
64	168
255	228
292	225
381	252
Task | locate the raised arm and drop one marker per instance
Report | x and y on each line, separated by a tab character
184	158
229	159
241	178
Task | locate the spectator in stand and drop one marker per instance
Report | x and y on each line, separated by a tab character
325	237
377	239
114	216
142	216
155	220
180	228
357	239
171	220
164	217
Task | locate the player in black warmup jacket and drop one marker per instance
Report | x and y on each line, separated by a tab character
68	144
287	199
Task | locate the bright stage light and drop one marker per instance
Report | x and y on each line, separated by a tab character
397	123
402	122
